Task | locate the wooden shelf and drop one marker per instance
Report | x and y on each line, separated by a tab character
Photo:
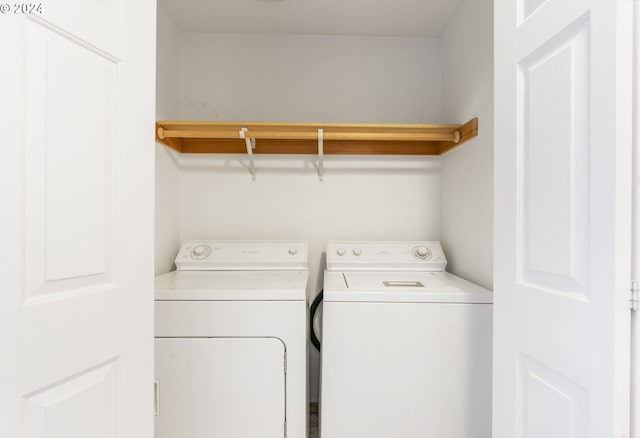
190	137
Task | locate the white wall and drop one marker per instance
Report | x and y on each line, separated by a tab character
467	171
366	198
167	172
310	78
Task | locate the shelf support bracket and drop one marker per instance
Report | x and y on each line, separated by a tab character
250	143
320	153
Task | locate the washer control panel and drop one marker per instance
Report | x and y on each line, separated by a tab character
385	256
242	255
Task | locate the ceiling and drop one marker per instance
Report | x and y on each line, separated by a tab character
418	18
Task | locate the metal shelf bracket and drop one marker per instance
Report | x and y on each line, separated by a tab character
250	143
320	153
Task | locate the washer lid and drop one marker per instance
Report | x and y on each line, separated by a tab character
242	255
406	287
232	286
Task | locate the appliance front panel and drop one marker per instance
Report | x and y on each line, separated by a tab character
406	370
226	387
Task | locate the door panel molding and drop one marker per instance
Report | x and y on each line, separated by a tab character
554	164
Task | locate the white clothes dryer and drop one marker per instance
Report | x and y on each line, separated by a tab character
406	346
231	341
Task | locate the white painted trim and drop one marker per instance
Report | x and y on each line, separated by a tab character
635	254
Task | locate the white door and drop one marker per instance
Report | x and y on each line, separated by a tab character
76	266
562	218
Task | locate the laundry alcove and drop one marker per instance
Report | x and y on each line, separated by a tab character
381	189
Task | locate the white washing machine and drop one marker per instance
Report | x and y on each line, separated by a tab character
231	341
406	346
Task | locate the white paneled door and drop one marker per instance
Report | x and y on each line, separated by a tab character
76	223
562	218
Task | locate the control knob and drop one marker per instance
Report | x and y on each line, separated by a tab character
293	250
340	252
200	252
422	252
357	251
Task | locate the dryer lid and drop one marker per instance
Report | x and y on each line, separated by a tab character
231	286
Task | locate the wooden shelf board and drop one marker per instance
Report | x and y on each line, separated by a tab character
310	147
191	137
467	132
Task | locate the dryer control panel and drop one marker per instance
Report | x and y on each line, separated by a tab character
242	255
385	256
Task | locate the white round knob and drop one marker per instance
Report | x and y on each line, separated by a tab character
357	251
340	252
200	252
293	251
422	251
